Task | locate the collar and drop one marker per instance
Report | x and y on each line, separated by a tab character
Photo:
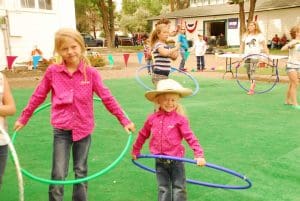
162	112
63	68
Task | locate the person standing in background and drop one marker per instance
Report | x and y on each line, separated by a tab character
293	67
184	46
253	42
200	49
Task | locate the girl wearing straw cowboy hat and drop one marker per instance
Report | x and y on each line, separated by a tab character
166	128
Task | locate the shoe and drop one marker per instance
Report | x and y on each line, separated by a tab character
297	107
251	92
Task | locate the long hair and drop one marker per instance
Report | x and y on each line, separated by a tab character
60	38
256	30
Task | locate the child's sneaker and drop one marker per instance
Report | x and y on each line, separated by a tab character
251	92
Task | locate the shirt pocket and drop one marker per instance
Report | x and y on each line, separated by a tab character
64	98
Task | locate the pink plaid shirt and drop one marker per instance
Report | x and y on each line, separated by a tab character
168	129
72	99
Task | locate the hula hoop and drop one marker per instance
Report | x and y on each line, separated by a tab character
80	180
138	79
216	167
273	66
16	162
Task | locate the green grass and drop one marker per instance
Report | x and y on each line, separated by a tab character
255	135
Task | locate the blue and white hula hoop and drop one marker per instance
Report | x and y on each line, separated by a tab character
274	67
216	167
16	162
138	79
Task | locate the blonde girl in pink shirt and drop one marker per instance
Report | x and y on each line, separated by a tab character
167	128
72	85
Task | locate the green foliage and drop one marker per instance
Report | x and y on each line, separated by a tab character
97	61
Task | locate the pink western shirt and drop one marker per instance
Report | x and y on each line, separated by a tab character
72	99
168	129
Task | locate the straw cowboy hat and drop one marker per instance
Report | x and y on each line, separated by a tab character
168	86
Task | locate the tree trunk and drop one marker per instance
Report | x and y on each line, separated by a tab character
105	18
172	5
111	22
242	19
251	10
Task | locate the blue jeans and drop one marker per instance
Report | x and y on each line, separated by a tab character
182	62
3	158
171	180
62	146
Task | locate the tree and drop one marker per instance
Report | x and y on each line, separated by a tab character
107	7
242	13
178	4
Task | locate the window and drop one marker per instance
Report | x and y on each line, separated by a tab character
1	3
36	4
27	3
45	4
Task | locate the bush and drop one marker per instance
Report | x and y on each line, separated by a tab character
97	60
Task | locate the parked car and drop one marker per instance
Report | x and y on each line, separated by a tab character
90	41
125	41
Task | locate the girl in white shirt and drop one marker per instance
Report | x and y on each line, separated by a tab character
253	42
293	66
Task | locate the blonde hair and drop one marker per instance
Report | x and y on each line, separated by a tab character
294	30
179	109
256	30
60	39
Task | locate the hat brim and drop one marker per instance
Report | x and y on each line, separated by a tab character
151	95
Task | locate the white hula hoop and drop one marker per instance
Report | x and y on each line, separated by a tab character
17	164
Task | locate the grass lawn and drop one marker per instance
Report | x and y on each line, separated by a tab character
256	135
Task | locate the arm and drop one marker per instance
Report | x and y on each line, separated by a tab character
289	45
8	108
193	142
110	102
168	52
143	135
37	98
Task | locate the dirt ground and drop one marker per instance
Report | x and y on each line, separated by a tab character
20	77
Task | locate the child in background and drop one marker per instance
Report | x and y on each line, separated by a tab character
7	108
162	53
72	85
253	42
148	55
293	67
167	127
184	46
200	49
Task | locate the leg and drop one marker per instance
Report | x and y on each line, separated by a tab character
182	62
202	62
80	156
253	64
178	182
3	158
291	97
163	180
198	62
60	162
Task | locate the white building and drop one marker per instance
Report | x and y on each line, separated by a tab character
26	23
213	17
